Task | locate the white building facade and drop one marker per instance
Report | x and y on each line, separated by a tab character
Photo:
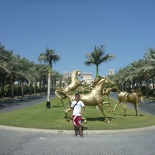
87	77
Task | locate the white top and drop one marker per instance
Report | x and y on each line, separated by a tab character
77	108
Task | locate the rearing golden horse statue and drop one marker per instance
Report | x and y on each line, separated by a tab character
62	93
95	97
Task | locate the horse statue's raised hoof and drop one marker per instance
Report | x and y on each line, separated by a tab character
110	110
106	121
85	121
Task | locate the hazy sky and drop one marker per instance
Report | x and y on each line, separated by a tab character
74	27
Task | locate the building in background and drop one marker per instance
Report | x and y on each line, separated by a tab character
66	75
87	77
65	78
111	72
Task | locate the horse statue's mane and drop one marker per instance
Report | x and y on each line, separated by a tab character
73	75
95	82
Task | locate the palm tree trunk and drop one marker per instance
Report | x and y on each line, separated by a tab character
3	93
22	89
97	72
12	79
48	91
40	87
35	87
12	89
30	88
44	87
153	83
147	88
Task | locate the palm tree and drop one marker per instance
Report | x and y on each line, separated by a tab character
49	57
132	77
4	58
59	78
148	67
28	73
9	63
4	71
97	57
41	74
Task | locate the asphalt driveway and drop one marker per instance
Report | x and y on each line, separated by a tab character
18	103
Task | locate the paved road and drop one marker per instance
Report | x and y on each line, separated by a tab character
19	103
33	142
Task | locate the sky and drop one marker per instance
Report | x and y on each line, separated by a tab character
73	28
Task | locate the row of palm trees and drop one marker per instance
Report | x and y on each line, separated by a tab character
25	73
138	74
14	69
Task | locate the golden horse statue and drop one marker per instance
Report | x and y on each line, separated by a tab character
62	93
134	98
93	98
106	92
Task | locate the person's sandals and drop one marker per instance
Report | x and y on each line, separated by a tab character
76	133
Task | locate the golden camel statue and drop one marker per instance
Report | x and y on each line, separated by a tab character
93	98
62	93
134	98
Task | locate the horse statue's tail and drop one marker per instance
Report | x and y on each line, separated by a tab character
115	88
59	93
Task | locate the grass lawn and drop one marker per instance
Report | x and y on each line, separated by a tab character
38	116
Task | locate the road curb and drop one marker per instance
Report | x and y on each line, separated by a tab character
86	132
